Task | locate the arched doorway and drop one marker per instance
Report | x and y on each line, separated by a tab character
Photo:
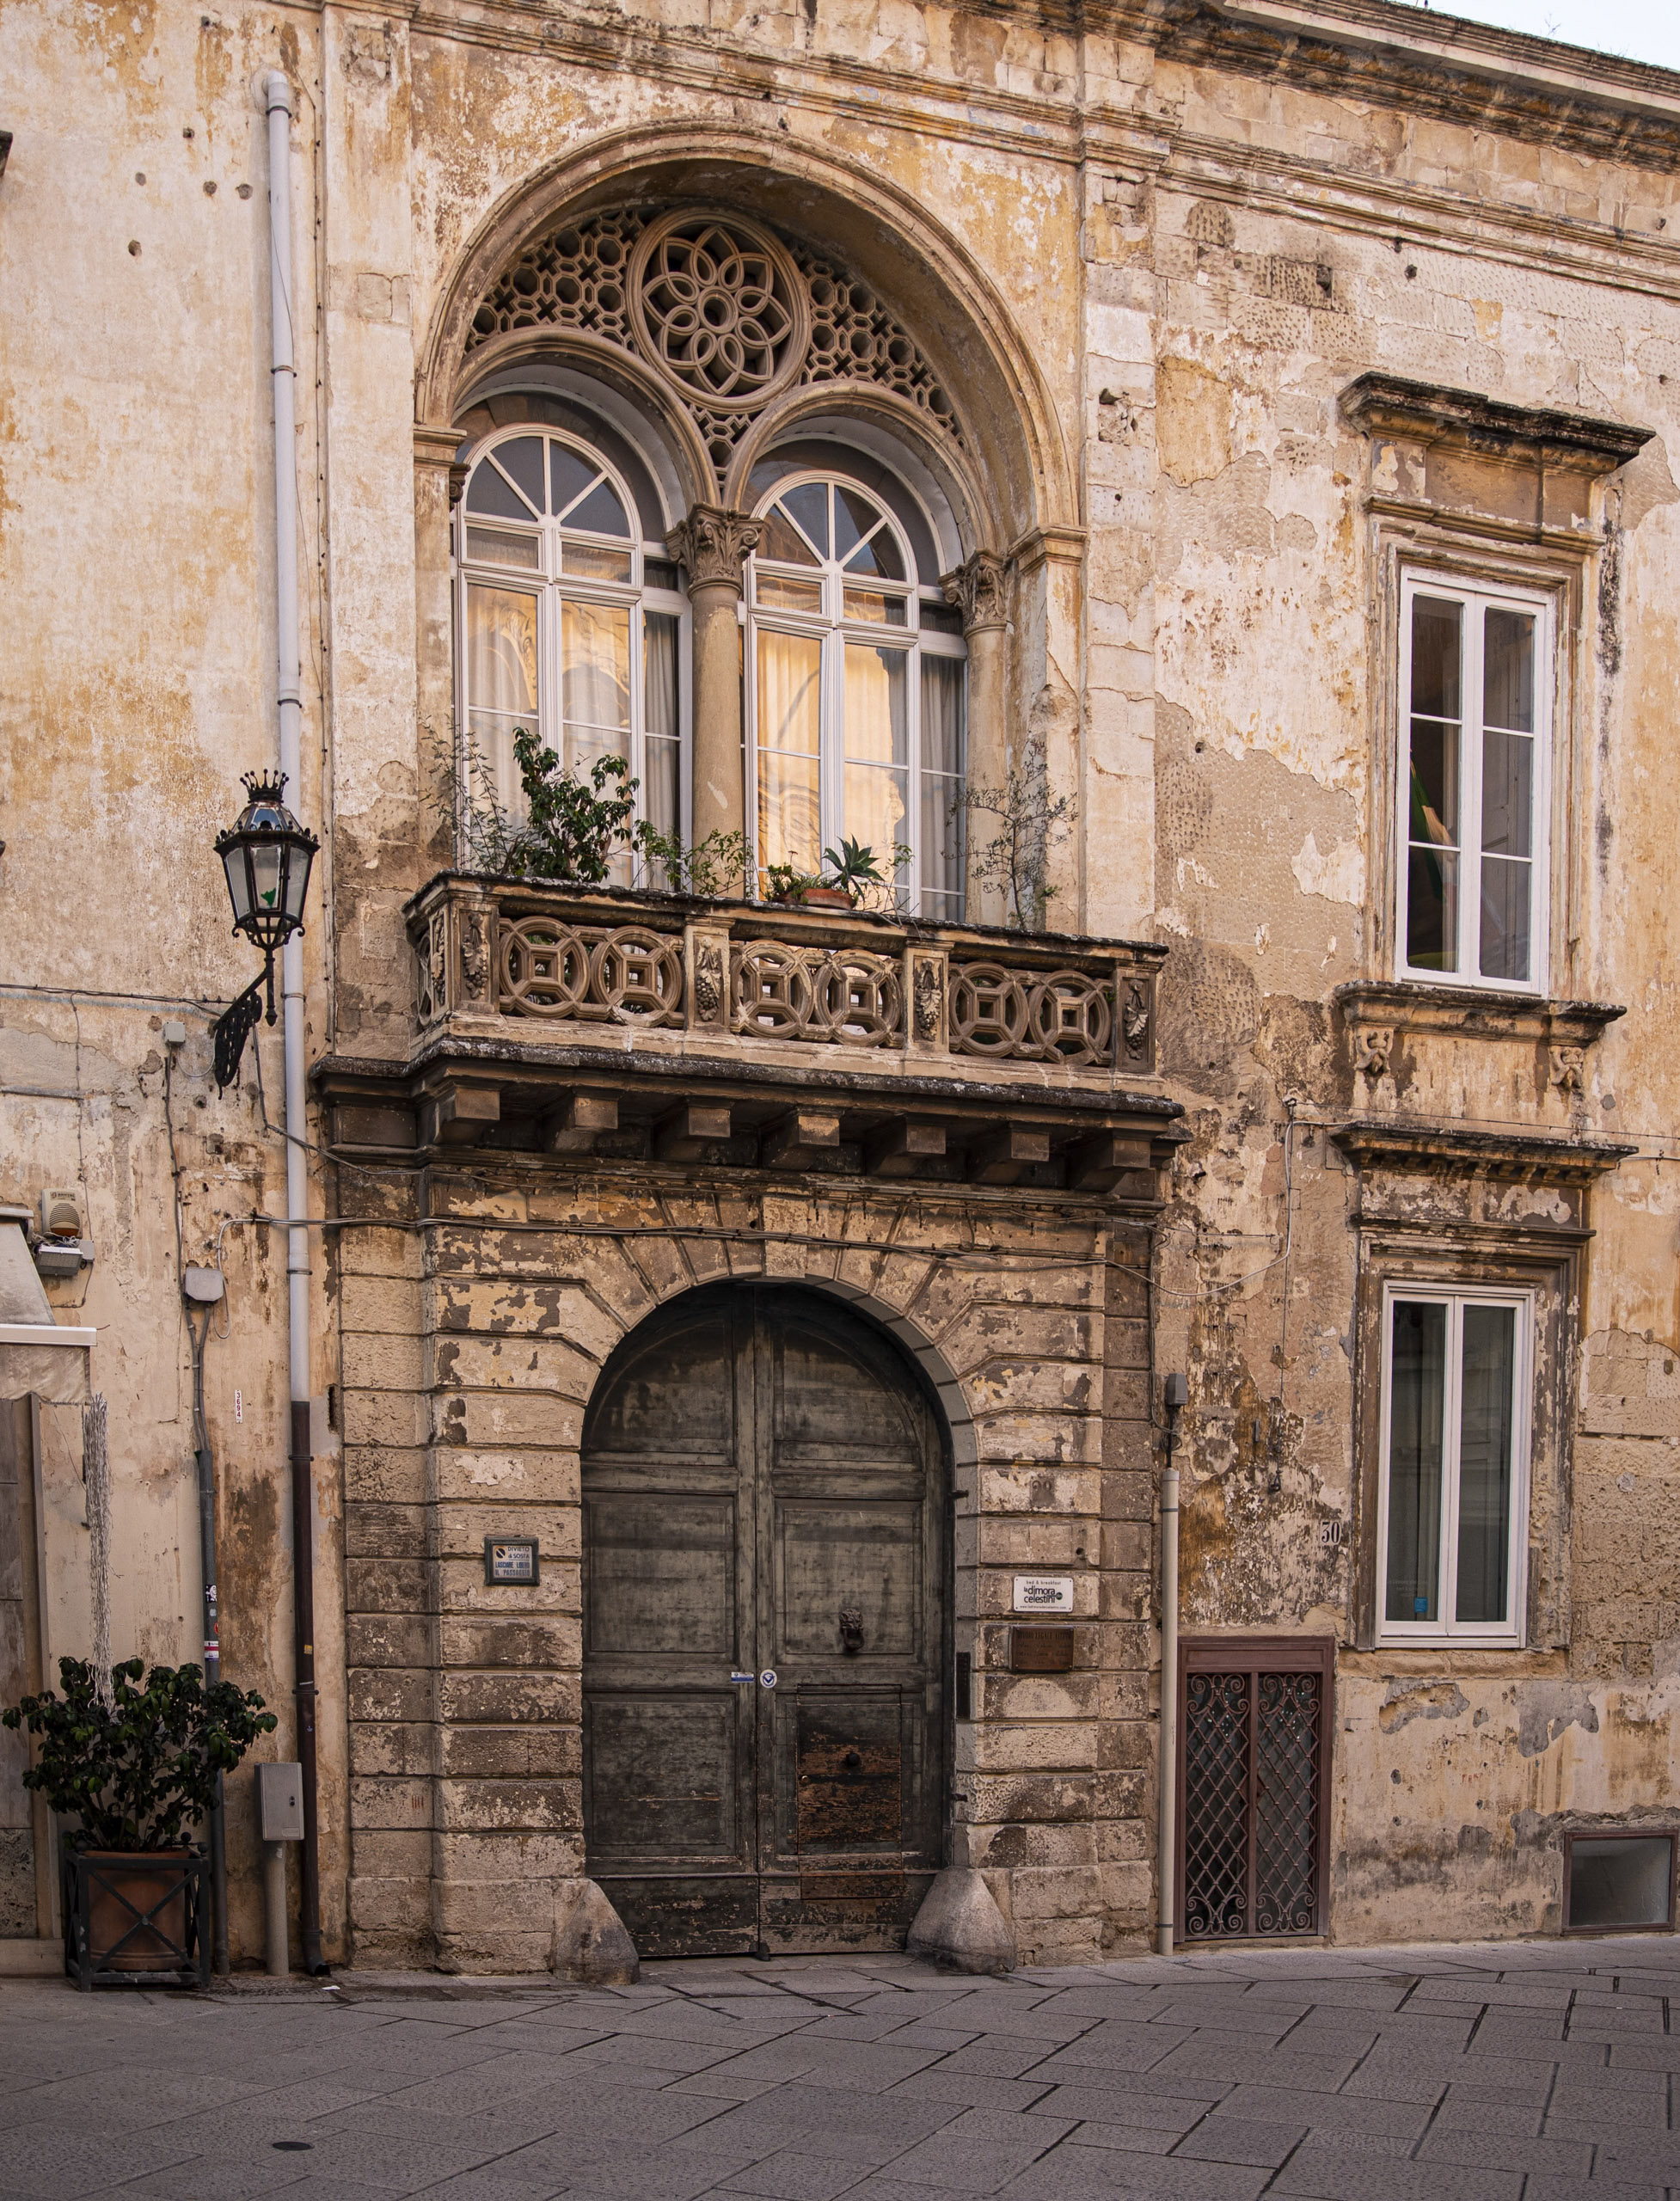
766	1617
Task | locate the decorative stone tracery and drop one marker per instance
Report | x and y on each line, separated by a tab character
728	316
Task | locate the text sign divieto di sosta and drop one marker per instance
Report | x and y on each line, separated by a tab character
511	1560
1044	1593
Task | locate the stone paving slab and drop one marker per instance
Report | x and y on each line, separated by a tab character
1505	2072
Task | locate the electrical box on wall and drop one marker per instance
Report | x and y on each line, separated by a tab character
280	1803
64	1251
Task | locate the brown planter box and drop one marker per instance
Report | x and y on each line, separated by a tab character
136	1917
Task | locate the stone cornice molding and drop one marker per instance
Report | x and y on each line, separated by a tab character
1041	546
981	588
1500	82
1471	1012
1506	82
714	544
1384	404
436	446
1405	1146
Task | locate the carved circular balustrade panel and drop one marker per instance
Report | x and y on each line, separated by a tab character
720	307
1064	1016
1071	1018
542	968
855	1000
637	976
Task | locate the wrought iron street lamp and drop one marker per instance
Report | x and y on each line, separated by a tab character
267	855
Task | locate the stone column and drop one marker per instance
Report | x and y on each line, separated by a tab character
980	587
715	545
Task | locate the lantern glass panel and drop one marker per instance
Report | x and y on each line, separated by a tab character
267	865
297	882
239	882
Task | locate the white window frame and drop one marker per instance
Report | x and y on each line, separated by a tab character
1457	588
1511	1633
834	631
550	586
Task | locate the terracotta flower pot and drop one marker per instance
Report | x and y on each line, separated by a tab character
119	1884
827	897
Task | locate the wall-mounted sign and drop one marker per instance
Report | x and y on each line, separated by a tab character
1041	1650
511	1562
1044	1593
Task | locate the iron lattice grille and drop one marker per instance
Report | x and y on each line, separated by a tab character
1216	1817
1253	1773
1287	1723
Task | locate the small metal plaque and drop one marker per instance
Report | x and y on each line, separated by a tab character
511	1562
1041	1650
1044	1593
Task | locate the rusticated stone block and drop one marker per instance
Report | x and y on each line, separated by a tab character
510	1806
384	1531
391	1805
510	1642
385	1473
399	1693
387	1748
510	1753
388	1639
394	1586
526	1694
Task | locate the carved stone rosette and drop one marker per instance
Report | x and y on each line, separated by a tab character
715	545
981	588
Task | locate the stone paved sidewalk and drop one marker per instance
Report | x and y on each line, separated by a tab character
1520	2072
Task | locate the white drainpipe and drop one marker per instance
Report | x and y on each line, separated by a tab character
1167	1824
278	92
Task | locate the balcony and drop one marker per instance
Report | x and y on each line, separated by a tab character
613	1027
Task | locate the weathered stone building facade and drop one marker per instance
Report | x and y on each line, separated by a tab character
1243	426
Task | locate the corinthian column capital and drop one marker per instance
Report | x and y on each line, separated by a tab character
714	544
980	588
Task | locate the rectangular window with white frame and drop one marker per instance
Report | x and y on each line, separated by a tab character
1475	737
1452	1529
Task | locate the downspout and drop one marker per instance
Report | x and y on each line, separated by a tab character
1177	1392
278	96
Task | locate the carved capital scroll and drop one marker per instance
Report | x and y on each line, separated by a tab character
980	588
714	544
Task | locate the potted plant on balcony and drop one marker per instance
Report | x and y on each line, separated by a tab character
851	873
137	1772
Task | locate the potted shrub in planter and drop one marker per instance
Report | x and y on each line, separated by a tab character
852	872
138	1774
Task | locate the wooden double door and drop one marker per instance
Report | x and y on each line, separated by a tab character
765	1531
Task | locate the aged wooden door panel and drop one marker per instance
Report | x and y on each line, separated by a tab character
764	1620
1254	1786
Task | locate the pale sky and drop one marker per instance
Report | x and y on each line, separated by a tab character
1644	30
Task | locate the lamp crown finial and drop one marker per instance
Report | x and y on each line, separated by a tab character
266	784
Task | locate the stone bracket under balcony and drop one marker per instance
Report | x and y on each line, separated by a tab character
608	1027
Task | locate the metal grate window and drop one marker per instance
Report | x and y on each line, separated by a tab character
1253	1719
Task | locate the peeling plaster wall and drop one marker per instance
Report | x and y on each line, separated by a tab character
1196	261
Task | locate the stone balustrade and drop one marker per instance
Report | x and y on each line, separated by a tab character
970	1000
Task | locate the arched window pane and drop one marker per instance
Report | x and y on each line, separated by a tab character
572	474
809	506
662	787
522	462
487	493
782	541
600	512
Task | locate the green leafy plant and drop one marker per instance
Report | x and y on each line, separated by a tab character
142	1769
1032	823
573	826
717	867
786	884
